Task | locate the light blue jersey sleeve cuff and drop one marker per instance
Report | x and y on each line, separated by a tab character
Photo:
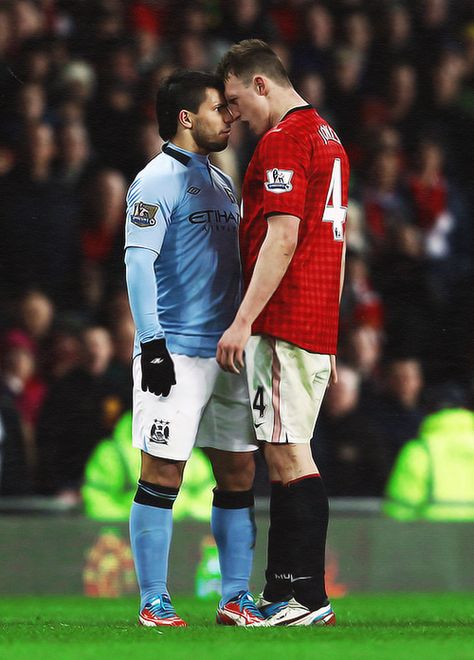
142	292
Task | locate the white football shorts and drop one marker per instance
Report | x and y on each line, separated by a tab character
286	387
207	407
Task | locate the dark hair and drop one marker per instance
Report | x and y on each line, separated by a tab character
250	57
445	395
184	90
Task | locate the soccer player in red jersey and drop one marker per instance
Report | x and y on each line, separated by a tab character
292	249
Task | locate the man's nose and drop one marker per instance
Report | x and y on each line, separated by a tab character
233	115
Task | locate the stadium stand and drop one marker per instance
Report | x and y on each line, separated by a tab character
78	83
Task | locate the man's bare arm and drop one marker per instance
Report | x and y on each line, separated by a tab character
272	263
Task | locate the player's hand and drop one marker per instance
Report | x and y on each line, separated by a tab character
333	376
230	349
157	368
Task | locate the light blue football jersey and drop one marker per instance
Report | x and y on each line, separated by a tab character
185	210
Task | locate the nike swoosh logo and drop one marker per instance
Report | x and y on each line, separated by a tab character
302	578
257	425
286	621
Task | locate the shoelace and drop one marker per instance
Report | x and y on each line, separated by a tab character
275	608
248	602
163	608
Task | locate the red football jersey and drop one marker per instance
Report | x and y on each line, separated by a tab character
299	168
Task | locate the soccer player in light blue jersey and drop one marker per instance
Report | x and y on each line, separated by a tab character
183	278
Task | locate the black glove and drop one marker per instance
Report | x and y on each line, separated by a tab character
157	368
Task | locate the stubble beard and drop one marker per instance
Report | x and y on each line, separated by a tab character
207	143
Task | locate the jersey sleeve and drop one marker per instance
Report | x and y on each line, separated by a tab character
151	200
285	166
142	290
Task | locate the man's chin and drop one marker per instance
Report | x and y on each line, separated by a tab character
258	131
219	146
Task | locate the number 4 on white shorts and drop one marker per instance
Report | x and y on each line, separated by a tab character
334	211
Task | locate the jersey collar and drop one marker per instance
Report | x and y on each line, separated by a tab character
307	106
183	156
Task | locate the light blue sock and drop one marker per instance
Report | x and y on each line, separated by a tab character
234	532
150	535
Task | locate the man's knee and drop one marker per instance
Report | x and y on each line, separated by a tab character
161	471
233	471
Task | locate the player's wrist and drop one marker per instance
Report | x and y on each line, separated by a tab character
154	347
242	319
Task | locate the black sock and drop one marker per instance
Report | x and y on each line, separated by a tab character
310	513
150	494
278	573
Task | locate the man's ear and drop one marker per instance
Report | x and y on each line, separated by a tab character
260	85
184	118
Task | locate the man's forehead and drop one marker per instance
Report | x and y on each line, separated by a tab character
213	95
233	84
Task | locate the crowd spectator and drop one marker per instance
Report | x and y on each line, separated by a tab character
15	477
314	52
75	161
101	235
36	315
433	477
78	84
397	410
38	223
441	215
396	42
22	386
361	304
81	408
64	351
363	352
245	19
352	458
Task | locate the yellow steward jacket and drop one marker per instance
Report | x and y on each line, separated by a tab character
112	471
433	476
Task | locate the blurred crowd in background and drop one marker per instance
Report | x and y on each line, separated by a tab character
78	81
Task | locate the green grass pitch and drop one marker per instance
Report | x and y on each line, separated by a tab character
370	627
